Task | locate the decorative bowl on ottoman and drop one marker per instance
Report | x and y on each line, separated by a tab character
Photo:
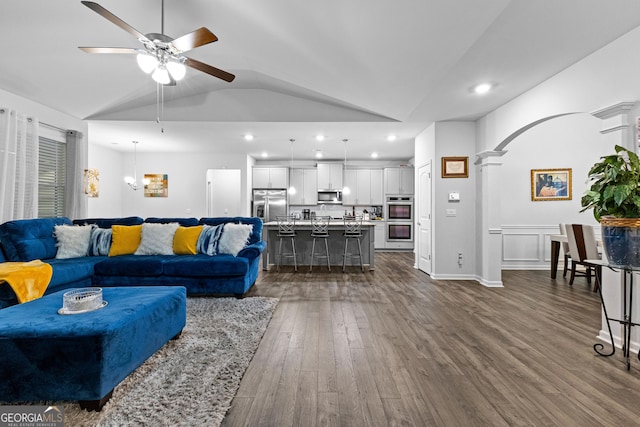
82	300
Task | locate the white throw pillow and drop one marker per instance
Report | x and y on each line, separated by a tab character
157	239
73	240
234	238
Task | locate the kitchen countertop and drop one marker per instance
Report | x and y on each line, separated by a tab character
333	222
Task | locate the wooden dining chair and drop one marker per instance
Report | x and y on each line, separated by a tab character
583	247
565	250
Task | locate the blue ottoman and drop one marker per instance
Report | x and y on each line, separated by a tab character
48	356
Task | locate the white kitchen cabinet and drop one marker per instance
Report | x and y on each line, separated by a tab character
305	183
377	187
398	180
329	176
365	187
264	177
378	232
350	181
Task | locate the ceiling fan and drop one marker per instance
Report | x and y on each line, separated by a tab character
161	55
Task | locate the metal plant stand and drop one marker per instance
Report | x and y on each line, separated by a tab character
627	308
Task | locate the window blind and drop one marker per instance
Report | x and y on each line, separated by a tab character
52	171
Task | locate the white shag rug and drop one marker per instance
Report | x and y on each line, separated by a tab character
190	381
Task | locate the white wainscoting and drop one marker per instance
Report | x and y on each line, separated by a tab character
528	247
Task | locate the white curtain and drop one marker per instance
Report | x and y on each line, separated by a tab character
75	201
18	166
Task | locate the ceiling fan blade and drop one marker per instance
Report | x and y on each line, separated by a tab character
194	39
206	68
127	50
113	18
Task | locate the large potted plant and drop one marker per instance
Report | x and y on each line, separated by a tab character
614	196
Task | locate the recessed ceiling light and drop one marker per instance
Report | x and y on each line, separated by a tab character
264	154
248	137
319	137
391	138
374	155
318	154
482	88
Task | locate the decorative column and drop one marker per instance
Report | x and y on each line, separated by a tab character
490	232
617	129
616	125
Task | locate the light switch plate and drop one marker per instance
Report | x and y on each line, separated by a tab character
452	212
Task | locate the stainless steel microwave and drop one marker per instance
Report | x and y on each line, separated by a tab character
329	197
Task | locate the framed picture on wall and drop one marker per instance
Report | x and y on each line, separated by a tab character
455	167
550	184
156	185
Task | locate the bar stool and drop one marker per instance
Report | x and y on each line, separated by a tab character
320	230
352	231
287	229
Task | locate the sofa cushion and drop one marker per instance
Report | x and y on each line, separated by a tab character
185	222
256	232
72	269
185	241
157	239
132	265
73	240
125	239
109	222
29	239
206	266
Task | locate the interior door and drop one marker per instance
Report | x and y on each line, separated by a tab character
223	192
424	218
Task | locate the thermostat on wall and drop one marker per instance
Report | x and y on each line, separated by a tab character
454	197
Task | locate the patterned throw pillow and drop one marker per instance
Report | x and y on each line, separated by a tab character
157	239
100	242
234	238
208	240
73	240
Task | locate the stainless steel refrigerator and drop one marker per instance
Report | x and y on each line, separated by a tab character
268	204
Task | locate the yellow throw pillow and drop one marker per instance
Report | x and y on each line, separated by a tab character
186	239
125	239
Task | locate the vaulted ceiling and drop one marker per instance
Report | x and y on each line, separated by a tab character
356	70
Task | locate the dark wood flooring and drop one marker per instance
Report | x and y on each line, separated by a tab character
393	347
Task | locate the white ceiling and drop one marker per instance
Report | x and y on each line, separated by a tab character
356	69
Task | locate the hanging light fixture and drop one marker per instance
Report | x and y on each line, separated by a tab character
292	190
160	60
132	181
345	190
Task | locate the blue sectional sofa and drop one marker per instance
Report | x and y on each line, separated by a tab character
200	274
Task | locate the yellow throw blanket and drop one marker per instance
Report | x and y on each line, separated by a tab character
28	280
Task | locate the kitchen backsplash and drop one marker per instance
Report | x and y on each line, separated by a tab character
334	211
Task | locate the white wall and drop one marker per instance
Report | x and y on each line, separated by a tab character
451	234
572	141
42	112
187	182
454	235
111	169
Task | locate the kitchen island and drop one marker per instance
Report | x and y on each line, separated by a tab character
304	242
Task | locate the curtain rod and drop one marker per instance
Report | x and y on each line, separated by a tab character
53	127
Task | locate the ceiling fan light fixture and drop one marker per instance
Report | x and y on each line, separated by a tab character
161	75
147	63
177	70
